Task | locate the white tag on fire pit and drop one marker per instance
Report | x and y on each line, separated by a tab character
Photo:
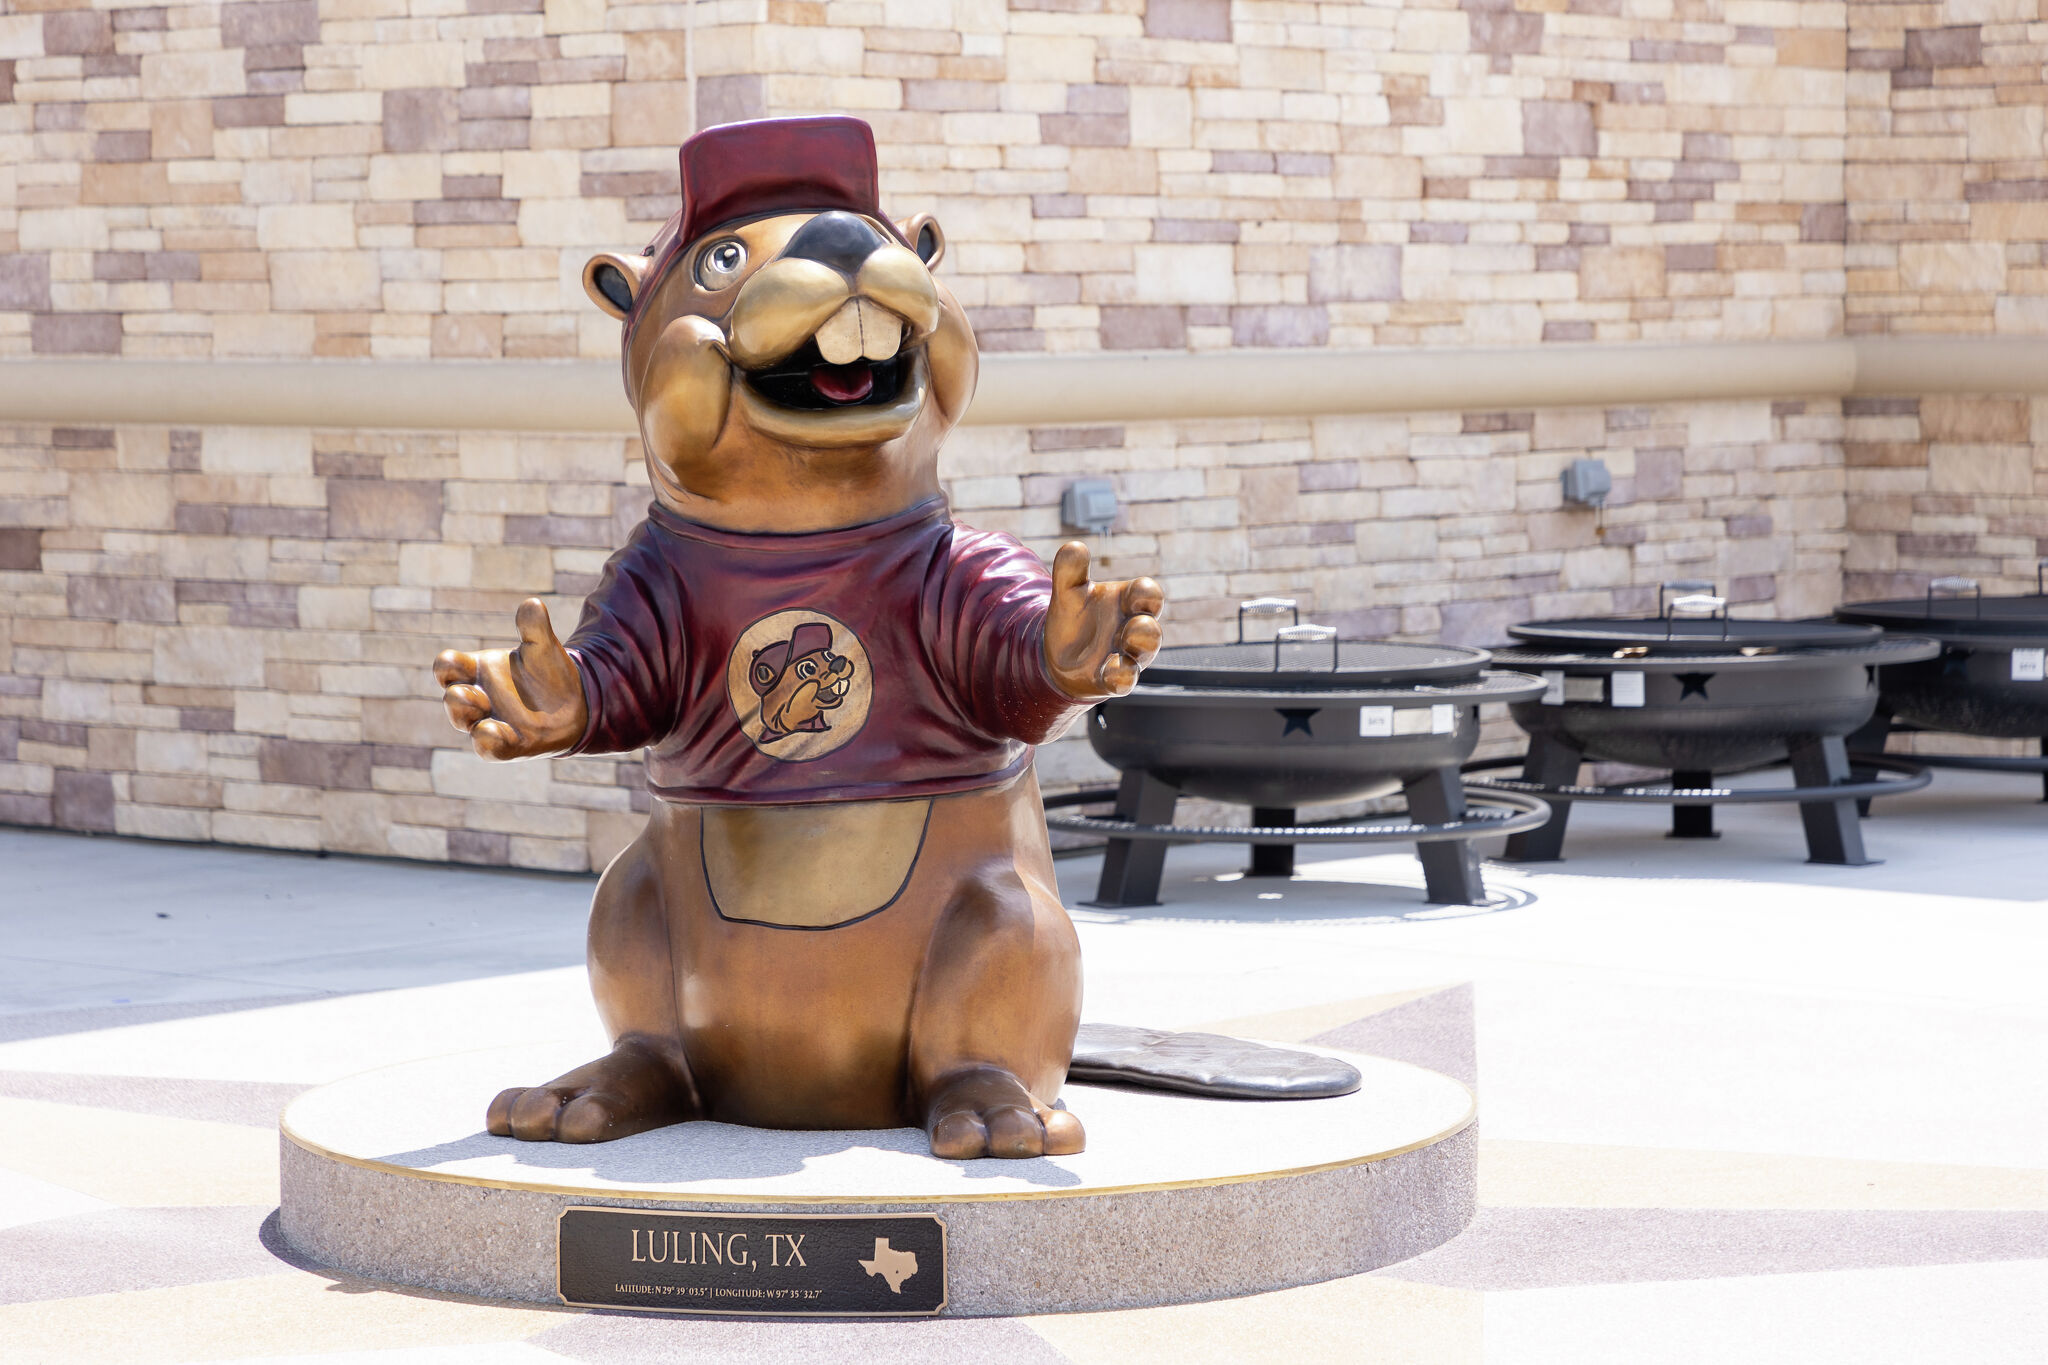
2030	665
1411	720
1585	689
1627	689
1442	719
1553	687
1375	722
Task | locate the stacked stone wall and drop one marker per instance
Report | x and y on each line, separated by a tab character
222	633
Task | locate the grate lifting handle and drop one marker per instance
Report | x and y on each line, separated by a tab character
1695	596
1960	585
1266	606
1305	635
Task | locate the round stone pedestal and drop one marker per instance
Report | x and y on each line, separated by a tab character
389	1175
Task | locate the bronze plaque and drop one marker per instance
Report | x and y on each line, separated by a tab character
769	1264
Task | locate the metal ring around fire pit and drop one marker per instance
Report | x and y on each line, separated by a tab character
1911	777
1494	812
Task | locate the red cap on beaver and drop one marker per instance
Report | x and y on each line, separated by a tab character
767	166
778	165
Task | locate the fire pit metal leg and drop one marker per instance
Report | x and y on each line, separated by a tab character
1450	867
1131	868
1550	763
1692	822
1272	860
1833	833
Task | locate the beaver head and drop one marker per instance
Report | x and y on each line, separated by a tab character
793	362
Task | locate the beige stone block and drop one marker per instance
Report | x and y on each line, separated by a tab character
21	35
1113	170
654	114
171	751
1621	272
1482	126
543	175
1968	419
334	107
1980	469
287	227
208	656
464	775
2002	222
434	566
1185	272
1720	424
68	229
2008	132
180	129
411	176
412	720
1161	117
135	502
270	335
1569	429
334	608
513	568
656	55
1395	540
325	281
1953	267
256	450
410	66
266	831
163	822
587	223
1049	57
191	75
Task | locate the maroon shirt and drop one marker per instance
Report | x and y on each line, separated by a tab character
902	658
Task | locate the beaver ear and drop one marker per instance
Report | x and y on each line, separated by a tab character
926	238
613	281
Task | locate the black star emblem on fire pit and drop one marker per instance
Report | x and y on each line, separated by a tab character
1693	685
1297	720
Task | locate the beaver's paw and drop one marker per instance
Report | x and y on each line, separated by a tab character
988	1112
629	1090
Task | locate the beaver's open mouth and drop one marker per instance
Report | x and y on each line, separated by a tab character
808	382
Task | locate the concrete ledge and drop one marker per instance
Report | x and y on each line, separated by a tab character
1177	1199
1126	386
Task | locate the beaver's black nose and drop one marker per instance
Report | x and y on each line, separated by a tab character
838	239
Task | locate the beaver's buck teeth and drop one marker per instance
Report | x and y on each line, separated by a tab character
859	329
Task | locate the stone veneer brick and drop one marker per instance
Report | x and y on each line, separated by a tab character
225	634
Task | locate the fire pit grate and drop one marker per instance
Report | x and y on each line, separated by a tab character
1694	692
1989	681
1302	719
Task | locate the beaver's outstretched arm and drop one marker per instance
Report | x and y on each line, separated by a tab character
516	703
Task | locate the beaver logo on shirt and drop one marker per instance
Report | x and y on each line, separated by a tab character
799	680
799	684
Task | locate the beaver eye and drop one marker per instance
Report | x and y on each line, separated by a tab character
807	669
720	262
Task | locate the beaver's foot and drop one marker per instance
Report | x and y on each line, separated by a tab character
986	1111
629	1090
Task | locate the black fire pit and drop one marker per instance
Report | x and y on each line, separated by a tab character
1695	692
1988	680
1304	718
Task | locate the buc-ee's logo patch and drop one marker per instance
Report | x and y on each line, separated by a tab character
800	684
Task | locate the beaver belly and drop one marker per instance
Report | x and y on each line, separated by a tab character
788	866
